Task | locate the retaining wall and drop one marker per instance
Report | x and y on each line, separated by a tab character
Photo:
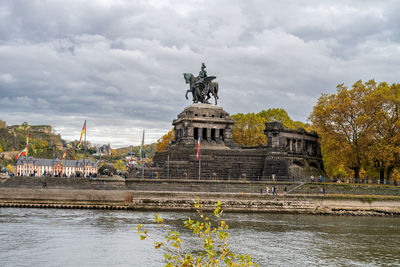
172	185
183	201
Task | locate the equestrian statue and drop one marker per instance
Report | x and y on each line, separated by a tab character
202	86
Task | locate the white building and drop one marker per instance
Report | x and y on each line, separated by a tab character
54	167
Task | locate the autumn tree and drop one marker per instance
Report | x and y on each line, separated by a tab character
384	146
120	165
345	122
249	129
164	141
279	114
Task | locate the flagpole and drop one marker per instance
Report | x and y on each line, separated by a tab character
27	155
84	157
199	160
168	167
142	154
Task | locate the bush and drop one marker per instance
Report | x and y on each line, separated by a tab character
107	169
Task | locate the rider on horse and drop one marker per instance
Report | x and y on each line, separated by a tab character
200	82
201	86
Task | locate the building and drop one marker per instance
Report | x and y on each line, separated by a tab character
54	167
104	150
8	155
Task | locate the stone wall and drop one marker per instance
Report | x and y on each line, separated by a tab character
179	185
181	201
355	189
137	184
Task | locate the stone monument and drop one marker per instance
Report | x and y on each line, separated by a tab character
289	155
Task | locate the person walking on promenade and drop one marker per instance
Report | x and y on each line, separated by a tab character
267	190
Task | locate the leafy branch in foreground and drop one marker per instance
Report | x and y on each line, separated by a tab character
213	233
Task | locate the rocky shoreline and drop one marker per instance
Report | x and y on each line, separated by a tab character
330	204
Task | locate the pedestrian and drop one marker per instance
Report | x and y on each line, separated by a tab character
284	190
267	190
320	179
312	178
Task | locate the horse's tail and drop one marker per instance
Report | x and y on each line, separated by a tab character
216	87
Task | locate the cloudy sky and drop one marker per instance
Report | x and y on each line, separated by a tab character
118	64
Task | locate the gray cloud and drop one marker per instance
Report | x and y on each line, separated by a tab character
119	64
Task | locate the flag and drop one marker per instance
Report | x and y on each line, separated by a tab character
25	151
63	158
130	161
27	141
83	131
22	153
142	150
198	148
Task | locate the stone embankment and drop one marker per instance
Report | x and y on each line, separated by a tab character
236	196
183	201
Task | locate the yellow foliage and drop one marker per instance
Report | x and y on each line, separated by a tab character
10	168
249	129
359	127
344	122
120	165
396	175
163	142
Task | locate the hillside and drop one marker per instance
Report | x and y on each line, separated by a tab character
42	142
150	150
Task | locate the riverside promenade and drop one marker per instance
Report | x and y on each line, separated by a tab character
177	195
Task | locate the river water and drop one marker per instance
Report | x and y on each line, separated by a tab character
62	237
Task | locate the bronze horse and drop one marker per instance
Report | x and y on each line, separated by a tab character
203	89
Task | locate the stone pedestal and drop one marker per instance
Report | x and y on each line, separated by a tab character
211	123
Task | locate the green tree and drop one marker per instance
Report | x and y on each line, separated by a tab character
214	234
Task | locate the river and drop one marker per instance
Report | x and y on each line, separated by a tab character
62	237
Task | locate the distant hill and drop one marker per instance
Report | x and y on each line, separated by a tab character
150	150
42	142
